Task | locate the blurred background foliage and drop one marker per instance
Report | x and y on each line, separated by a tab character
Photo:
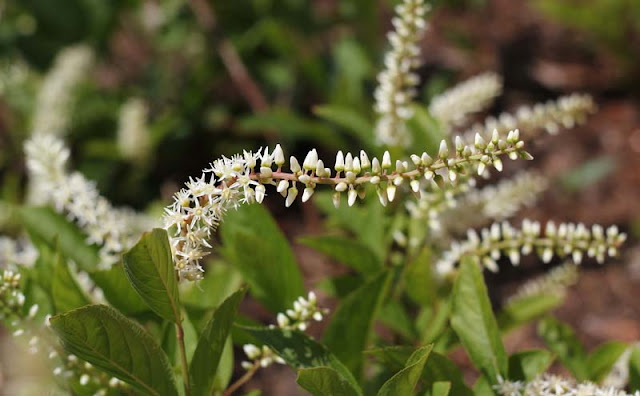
310	65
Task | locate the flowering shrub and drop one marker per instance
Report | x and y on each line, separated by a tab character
122	302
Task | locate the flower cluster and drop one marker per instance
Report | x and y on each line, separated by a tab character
555	282
11	296
56	93
475	94
397	81
565	112
298	318
229	182
552	385
565	239
506	198
86	375
133	135
115	230
20	253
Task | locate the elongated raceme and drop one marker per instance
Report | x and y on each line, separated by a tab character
502	239
552	385
229	182
299	317
53	107
555	282
453	106
552	116
17	253
113	229
397	81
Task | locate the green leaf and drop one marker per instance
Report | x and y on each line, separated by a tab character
347	334
426	130
418	278
439	368
393	357
562	340
221	281
367	222
324	381
347	118
347	251
54	229
474	323
403	382
118	291
396	318
254	245
301	351
208	353
225	367
634	370
149	267
441	388
525	309
482	387
105	338
526	365
67	295
603	358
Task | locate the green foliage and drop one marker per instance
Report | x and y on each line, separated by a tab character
110	341
66	293
324	381
254	244
149	267
634	369
562	340
118	291
351	253
208	353
300	351
46	225
406	379
602	359
526	365
350	327
473	321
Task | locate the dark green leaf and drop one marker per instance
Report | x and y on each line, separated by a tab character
118	291
359	126
403	382
324	381
254	244
347	251
393	357
439	368
67	295
603	358
366	222
562	340
349	329
300	351
473	321
396	318
208	353
108	340
526	365
225	367
149	267
55	230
